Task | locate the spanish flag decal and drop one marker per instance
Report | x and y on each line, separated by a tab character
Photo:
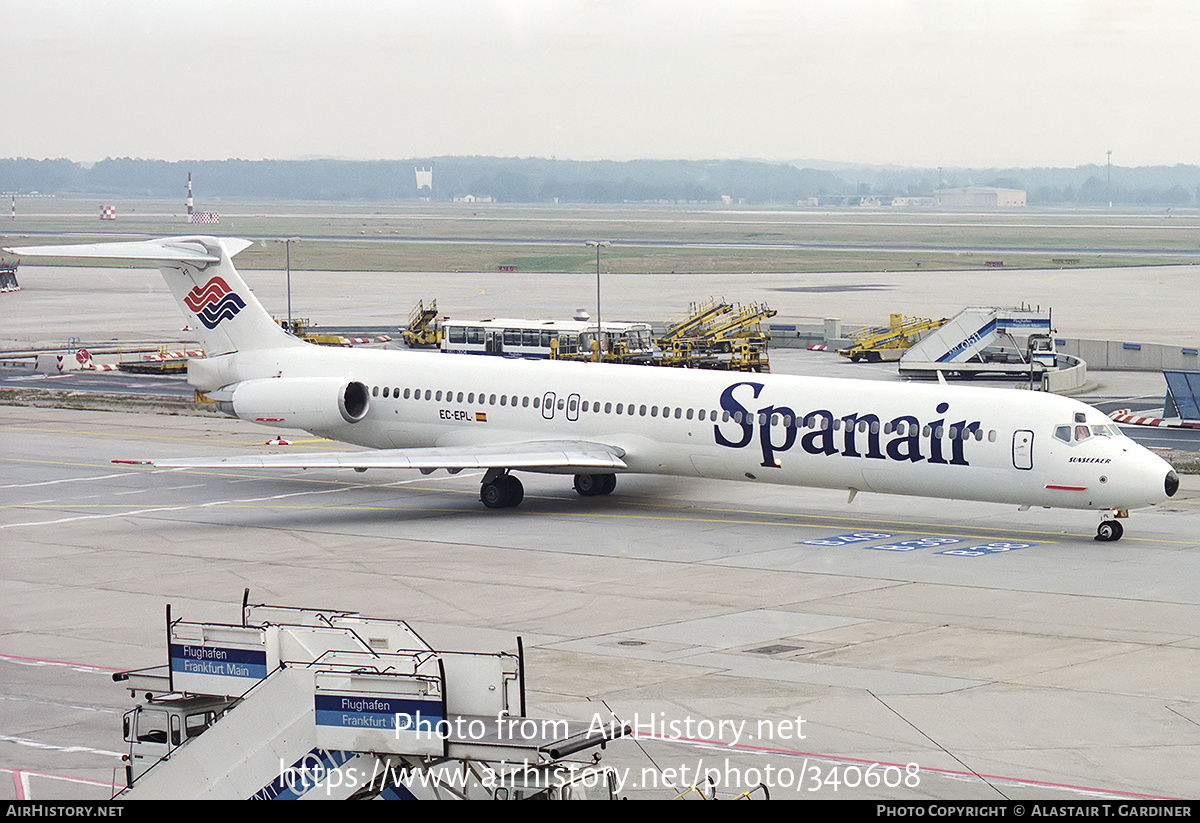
480	417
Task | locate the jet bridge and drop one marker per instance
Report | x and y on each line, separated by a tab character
318	704
985	340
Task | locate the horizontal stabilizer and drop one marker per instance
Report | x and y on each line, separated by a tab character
168	249
533	456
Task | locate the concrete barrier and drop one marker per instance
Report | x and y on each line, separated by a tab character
1070	375
1120	355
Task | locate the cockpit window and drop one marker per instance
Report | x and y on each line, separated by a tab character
1080	432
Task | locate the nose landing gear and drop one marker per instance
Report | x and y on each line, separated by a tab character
1110	528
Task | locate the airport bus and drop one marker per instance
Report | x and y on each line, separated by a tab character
544	339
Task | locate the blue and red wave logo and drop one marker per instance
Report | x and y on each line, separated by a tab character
214	302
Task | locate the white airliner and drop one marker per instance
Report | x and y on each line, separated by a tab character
432	411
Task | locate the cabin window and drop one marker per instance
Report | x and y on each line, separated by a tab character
992	436
385	391
643	410
438	396
428	394
689	413
537	402
374	391
874	427
608	409
504	400
654	411
525	402
492	400
679	414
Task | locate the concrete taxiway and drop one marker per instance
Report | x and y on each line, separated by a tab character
791	637
1005	653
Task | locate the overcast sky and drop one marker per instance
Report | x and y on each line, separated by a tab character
976	83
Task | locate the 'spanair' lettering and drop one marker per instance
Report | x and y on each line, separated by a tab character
856	434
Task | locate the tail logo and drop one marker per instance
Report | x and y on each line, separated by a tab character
214	302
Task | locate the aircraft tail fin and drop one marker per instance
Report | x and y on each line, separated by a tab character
199	271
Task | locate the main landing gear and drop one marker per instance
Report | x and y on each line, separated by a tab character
1110	528
590	485
501	490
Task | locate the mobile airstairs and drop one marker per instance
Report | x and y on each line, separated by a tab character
985	340
318	704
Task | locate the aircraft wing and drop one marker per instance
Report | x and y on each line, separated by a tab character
546	455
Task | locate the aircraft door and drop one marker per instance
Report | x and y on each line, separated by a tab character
548	405
493	342
573	407
1022	449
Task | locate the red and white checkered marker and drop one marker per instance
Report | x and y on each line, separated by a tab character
1128	417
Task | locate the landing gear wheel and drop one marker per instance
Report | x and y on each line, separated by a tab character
492	494
502	493
514	490
1109	530
589	485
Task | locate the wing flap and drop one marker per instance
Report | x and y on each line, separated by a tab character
532	456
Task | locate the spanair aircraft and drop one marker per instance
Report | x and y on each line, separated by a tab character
431	411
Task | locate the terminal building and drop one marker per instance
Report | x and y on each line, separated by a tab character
980	197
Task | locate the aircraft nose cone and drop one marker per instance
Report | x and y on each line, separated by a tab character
1172	483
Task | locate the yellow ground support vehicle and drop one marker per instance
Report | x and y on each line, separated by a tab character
878	343
424	329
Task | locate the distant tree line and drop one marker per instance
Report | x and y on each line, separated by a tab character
533	180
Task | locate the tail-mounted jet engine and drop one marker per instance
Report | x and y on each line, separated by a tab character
308	403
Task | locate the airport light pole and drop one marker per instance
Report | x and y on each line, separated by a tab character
599	244
287	245
1108	179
